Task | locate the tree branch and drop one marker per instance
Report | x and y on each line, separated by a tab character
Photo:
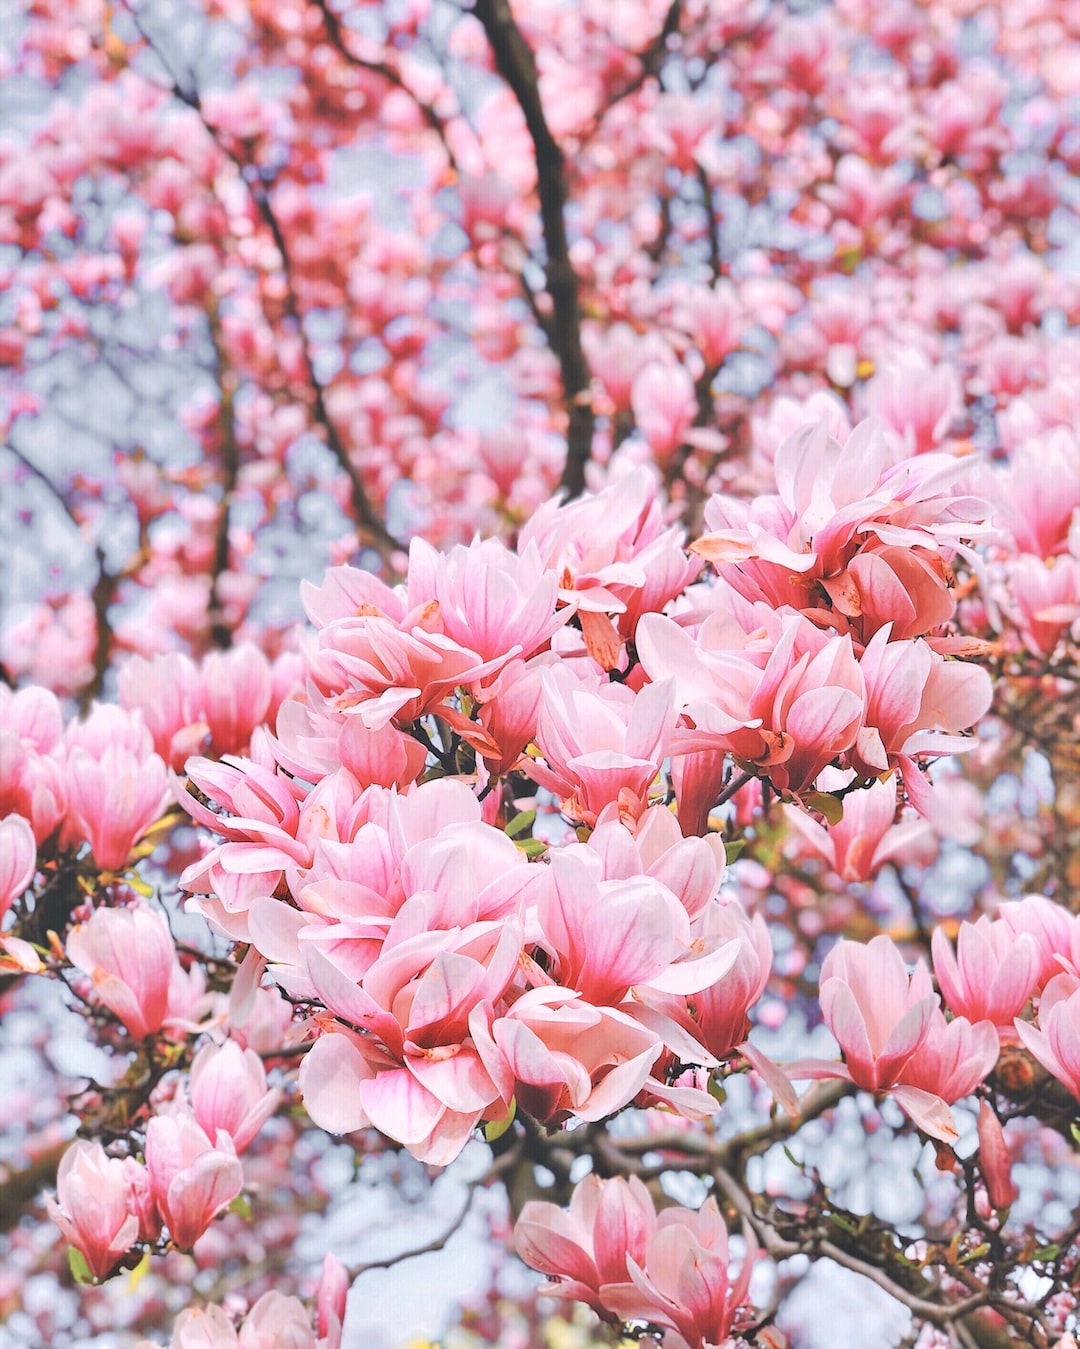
514	61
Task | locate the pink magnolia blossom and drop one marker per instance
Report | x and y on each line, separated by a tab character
191	1178
93	1211
664	406
586	1248
568	1058
229	1092
18	859
866	837
879	1014
954	1059
685	1283
130	956
600	742
1051	926
991	975
1055	1040
113	800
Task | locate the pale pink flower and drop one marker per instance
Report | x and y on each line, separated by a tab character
720	1010
192	1180
992	974
953	1059
600	742
1044	600
166	690
113	800
130	956
915	400
569	1058
664	405
93	1211
1051	926
277	1320
207	1327
228	1091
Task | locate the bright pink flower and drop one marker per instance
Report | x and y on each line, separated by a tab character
192	1180
229	1092
992	974
498	603
93	1211
720	1010
917	702
1044	599
330	1299
18	859
586	1248
685	1283
879	1014
130	956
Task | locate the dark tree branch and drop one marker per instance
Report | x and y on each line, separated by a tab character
363	510
514	61
220	632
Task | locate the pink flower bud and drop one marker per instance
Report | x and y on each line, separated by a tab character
93	1211
994	1159
130	955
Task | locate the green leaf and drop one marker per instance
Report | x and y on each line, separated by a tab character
1074	1129
532	847
976	1254
497	1127
825	804
241	1205
80	1270
1050	1252
717	1090
733	848
520	823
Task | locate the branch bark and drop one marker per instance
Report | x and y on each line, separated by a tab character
514	62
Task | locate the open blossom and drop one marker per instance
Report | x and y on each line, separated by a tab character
130	956
93	1211
113	800
865	837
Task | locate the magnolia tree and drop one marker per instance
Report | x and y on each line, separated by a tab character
541	647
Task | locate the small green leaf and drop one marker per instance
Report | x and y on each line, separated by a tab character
717	1090
1074	1129
825	804
1050	1252
497	1127
80	1270
976	1254
520	823
845	1224
532	847
733	848
241	1205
